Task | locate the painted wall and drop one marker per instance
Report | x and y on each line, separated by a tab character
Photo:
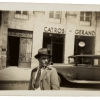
9	21
21	24
4	30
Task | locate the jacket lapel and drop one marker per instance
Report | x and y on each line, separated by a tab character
33	75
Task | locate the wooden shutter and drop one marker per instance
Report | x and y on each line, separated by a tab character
25	52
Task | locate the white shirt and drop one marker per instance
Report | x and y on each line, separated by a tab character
36	76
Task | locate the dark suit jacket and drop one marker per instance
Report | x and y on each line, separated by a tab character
48	81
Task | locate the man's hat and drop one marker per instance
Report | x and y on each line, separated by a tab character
42	51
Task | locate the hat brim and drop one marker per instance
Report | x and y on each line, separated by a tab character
38	55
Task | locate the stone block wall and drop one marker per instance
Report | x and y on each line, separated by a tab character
4	32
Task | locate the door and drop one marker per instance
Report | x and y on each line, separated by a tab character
13	51
57	52
25	52
84	69
84	72
55	45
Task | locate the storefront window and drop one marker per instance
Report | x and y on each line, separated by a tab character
83	45
55	44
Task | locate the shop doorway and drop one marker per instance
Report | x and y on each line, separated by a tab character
13	51
55	45
84	45
57	52
19	48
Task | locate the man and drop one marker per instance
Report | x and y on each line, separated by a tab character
44	77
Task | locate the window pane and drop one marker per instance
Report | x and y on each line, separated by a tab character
85	16
71	60
82	14
98	14
57	16
51	14
25	13
96	61
87	19
18	12
88	13
81	18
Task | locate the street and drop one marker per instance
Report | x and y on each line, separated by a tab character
65	85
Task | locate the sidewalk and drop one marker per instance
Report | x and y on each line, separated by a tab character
15	74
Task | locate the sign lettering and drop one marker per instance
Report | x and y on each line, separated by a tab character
20	34
54	30
84	33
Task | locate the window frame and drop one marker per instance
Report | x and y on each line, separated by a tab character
21	15
85	16
54	19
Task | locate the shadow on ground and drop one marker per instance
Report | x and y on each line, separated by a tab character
67	84
14	85
18	85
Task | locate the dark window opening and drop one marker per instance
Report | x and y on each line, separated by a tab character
18	12
85	16
55	42
55	14
25	13
84	45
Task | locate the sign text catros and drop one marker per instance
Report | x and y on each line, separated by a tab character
53	30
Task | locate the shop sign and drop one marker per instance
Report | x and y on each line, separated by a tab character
54	30
84	33
16	34
81	44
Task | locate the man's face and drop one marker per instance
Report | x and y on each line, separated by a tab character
43	61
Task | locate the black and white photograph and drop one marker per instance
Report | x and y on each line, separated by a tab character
46	49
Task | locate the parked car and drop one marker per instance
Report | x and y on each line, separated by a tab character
81	69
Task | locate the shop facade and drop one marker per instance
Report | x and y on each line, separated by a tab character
80	33
16	39
62	33
49	33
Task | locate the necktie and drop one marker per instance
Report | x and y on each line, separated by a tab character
38	78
